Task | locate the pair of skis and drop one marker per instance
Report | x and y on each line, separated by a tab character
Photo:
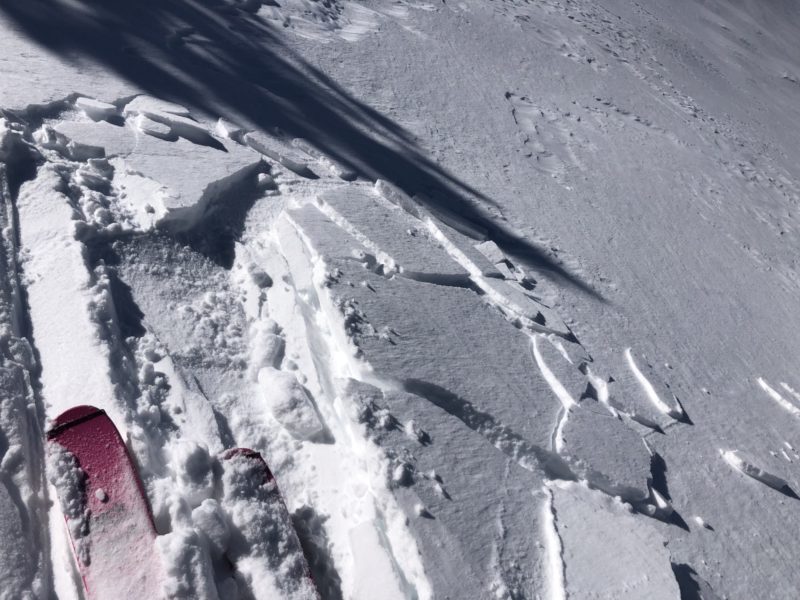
109	520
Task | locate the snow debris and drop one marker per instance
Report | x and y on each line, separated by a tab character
188	567
230	130
288	401
68	479
415	432
278	151
211	521
266	346
219	283
403	474
195	476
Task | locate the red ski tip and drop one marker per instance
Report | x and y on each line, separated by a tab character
73	416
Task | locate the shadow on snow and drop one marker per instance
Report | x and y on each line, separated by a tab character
220	60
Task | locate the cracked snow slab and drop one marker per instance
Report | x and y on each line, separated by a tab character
481	372
181	169
608	553
606	452
193	176
113	140
599	446
460	246
452	477
398	239
414	335
410	335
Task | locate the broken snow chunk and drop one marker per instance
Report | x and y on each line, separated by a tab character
278	151
513	300
96	109
461	224
147	104
702	523
491	251
187	128
82	152
336	167
421	511
765	477
266	347
398	197
95	175
183	189
413	431
195	472
460	247
662	505
230	130
605	452
266	182
259	276
147	374
290	404
654	389
403	474
375	222
101	495
154	128
174	117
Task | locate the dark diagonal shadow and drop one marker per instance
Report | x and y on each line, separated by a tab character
222	61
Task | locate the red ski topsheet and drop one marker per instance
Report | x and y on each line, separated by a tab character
121	560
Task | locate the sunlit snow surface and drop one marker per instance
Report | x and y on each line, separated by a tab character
504	292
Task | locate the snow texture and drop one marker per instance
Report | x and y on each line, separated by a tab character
504	293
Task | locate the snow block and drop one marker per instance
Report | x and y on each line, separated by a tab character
457	479
193	179
290	404
96	109
278	151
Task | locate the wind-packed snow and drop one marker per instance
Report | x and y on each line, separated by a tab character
503	292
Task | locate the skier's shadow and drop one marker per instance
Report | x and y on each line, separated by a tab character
224	61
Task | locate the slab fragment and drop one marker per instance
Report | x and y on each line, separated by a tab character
608	553
397	238
192	177
456	477
113	140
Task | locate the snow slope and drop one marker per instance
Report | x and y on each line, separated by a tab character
502	291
